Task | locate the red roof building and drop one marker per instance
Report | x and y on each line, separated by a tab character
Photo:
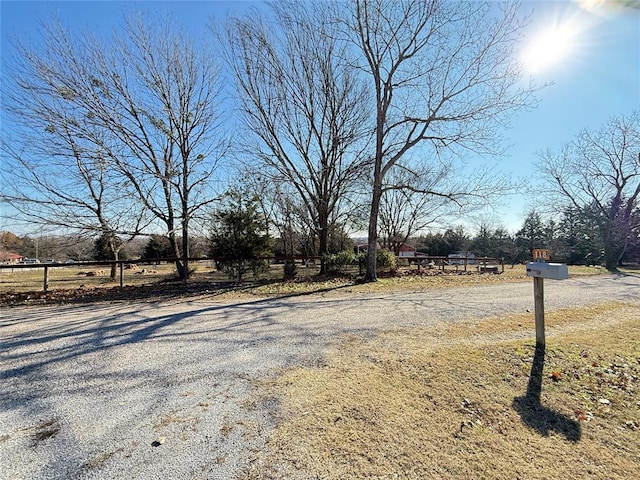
10	257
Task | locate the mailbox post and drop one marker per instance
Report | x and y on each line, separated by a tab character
539	269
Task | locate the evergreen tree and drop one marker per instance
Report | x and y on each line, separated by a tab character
496	243
579	236
109	246
532	235
239	237
456	240
482	243
158	246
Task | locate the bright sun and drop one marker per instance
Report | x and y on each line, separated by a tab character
549	47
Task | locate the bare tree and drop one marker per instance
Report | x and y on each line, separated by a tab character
599	172
284	213
405	209
54	177
304	107
75	197
443	76
412	198
146	101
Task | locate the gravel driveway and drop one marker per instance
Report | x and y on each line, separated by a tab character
147	390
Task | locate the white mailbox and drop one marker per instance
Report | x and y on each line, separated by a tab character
554	271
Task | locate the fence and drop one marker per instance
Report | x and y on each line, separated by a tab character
120	265
482	264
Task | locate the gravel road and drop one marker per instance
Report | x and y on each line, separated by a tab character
150	390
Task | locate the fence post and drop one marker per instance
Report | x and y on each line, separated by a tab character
46	278
121	275
538	299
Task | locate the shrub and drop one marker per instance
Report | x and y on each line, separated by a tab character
336	262
386	259
239	236
290	269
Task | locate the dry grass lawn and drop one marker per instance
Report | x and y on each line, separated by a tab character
460	402
90	283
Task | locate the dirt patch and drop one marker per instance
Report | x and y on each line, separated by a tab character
473	400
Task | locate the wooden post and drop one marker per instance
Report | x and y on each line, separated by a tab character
538	299
46	279
121	275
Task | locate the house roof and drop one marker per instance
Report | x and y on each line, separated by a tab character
4	256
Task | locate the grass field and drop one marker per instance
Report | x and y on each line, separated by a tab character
86	282
469	400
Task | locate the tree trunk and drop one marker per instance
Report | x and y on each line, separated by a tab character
185	216
115	250
185	250
173	241
612	252
372	254
323	235
614	245
114	265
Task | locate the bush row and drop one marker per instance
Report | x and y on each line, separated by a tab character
341	261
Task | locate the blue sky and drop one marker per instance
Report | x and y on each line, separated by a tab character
598	77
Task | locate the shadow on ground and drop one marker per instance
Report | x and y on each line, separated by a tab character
535	415
159	291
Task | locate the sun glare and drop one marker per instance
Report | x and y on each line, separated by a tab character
549	47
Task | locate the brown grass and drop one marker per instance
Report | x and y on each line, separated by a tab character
74	277
70	284
451	402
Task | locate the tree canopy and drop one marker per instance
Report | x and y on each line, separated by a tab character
598	176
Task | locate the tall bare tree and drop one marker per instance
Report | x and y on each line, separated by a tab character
304	106
147	102
599	172
443	75
283	213
56	186
54	177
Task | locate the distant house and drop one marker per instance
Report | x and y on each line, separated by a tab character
10	257
408	254
405	250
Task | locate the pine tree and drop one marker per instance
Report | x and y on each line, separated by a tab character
239	240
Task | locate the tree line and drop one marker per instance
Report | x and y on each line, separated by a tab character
573	238
322	118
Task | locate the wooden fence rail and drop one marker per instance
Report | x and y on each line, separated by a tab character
120	265
483	264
